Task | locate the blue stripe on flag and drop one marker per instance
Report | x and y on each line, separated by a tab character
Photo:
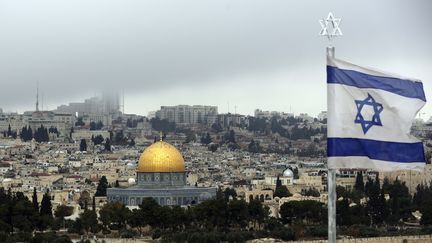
378	150
401	87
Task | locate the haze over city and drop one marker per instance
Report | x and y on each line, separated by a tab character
238	55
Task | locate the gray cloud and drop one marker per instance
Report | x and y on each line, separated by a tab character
251	54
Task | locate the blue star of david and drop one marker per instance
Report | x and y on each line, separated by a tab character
376	120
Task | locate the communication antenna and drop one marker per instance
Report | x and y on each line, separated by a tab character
37	96
123	104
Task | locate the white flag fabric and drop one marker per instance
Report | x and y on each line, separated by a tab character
370	114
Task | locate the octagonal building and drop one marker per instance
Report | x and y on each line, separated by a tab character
161	175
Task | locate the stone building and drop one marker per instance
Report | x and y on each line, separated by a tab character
161	175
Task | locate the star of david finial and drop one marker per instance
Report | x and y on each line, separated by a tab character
330	27
377	109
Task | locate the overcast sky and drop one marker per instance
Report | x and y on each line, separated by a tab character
247	54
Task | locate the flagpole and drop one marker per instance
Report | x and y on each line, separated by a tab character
331	186
330	29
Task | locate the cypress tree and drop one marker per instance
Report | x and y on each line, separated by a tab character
278	182
83	145
35	200
94	203
23	134
359	183
29	133
45	134
108	144
102	187
46	206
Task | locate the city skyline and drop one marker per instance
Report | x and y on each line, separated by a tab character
215	121
248	55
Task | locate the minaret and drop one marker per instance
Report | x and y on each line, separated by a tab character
37	96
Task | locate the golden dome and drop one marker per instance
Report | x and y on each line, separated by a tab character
161	157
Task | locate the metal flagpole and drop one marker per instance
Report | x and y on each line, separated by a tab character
331	186
330	29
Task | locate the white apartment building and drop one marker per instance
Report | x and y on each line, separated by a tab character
269	114
186	114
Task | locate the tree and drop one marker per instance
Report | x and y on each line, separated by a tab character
426	212
308	211
296	173
162	125
238	212
258	213
41	134
98	139
35	200
375	205
71	132
114	213
26	134
254	147
135	220
213	147
281	190
89	221
83	145
63	211
343	212
229	192
206	139
107	144
119	138
400	201
96	125
278	182
9	131
46	207
216	127
92	126
79	122
386	186
190	137
231	137
359	184
45	219
148	209
310	192
101	189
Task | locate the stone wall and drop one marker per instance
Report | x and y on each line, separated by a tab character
395	239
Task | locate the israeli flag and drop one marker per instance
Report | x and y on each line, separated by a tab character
370	114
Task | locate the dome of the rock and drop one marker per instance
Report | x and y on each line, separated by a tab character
161	157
